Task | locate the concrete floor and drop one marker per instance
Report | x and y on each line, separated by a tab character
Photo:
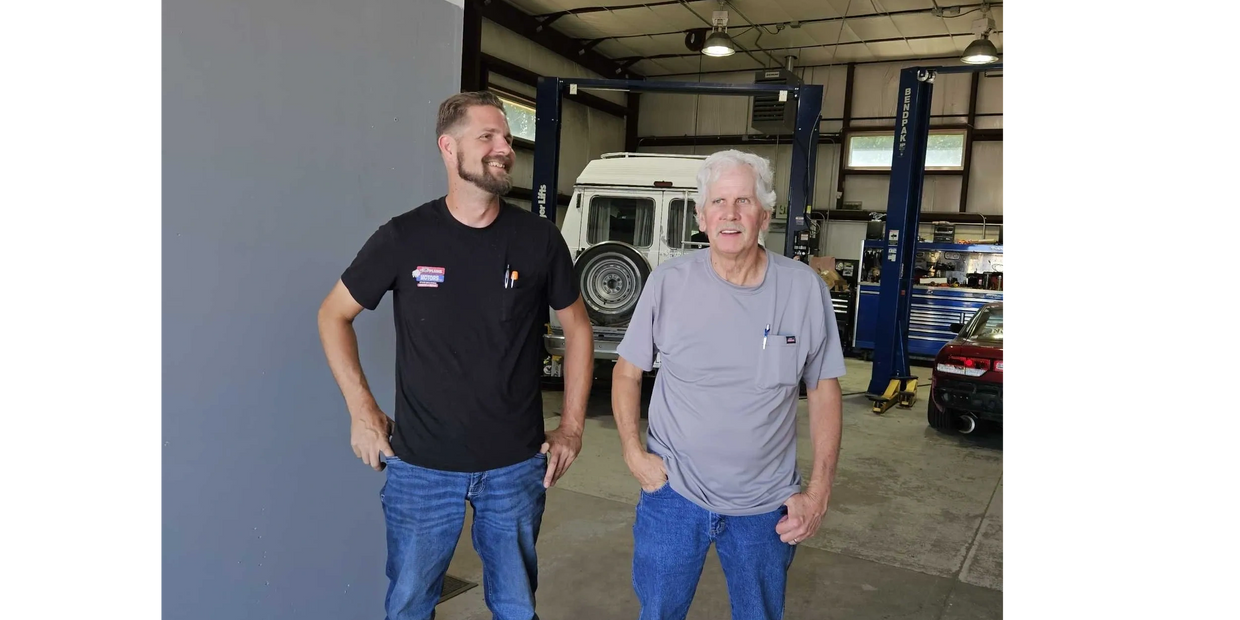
914	528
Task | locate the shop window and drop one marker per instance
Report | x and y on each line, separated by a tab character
873	150
521	118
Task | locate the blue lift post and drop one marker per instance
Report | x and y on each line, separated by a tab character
548	120
891	383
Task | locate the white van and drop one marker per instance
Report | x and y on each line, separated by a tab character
629	213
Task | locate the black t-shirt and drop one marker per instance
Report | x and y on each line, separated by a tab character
469	349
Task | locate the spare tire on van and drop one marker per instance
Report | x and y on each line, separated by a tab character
611	276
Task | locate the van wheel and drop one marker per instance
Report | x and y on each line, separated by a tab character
611	277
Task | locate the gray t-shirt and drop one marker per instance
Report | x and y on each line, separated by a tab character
723	413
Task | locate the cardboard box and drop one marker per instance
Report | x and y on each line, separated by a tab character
822	263
825	266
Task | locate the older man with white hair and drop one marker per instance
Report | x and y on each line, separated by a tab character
737	328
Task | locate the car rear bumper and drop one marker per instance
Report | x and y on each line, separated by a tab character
983	400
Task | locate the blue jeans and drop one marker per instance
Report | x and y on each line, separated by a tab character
425	511
670	539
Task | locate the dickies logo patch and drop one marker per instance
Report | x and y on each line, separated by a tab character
429	277
790	340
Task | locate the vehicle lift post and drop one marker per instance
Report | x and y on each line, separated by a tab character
890	382
548	121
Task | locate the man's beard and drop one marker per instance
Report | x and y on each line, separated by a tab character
484	181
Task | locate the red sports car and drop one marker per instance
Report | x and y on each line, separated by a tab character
967	382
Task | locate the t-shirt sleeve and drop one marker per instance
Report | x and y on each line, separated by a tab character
638	346
826	359
373	271
561	281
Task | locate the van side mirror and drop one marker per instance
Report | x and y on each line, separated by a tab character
956	327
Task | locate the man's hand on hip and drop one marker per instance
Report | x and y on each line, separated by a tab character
805	512
649	470
369	435
562	447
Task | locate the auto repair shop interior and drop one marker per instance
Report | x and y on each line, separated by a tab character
915	523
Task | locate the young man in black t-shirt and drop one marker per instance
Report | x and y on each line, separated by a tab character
471	278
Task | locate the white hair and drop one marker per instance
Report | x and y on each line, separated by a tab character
763	177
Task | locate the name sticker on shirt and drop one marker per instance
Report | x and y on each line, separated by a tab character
790	340
429	277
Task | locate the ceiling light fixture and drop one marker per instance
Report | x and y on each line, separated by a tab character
719	44
981	51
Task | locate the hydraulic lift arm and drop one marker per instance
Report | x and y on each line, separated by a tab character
891	383
548	121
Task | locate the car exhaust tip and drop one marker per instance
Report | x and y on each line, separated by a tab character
968	424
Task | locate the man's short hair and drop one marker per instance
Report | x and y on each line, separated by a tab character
763	176
453	110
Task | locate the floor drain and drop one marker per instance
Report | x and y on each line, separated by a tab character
453	586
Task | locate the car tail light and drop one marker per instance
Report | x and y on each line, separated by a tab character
999	365
962	365
980	363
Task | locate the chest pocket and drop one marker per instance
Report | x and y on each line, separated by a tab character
779	364
518	302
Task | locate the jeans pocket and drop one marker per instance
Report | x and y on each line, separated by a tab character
666	485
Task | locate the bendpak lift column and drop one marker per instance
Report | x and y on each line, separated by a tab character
891	382
548	121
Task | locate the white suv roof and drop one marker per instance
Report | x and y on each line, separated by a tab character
643	170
